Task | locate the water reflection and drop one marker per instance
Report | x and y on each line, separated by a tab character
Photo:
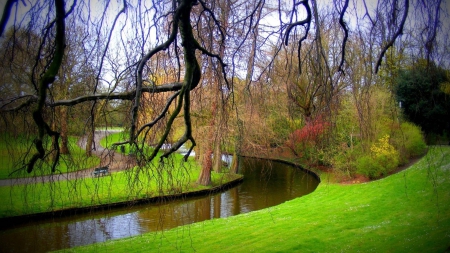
265	184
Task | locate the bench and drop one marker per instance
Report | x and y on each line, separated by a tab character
101	171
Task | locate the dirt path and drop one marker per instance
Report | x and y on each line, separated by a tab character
115	161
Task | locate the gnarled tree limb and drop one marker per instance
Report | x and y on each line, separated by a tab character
44	82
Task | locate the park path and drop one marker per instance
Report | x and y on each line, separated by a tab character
115	161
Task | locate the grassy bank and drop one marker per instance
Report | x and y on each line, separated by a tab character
156	179
405	212
117	187
14	148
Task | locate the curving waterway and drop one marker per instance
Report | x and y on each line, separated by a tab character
266	183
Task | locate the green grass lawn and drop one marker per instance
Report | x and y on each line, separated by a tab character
137	183
114	138
405	212
13	149
155	179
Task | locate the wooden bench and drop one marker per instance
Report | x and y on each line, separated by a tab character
101	171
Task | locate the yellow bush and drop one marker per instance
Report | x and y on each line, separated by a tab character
383	147
385	154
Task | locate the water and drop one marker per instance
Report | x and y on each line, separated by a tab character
265	184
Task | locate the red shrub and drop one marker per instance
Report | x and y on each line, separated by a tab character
309	135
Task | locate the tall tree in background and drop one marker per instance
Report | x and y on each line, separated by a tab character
424	102
213	80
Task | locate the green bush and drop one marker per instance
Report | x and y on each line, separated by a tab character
345	158
375	167
414	142
383	159
409	140
369	167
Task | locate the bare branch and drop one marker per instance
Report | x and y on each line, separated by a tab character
216	56
345	28
214	18
97	78
129	95
143	61
161	115
45	81
30	99
5	15
394	37
432	37
306	21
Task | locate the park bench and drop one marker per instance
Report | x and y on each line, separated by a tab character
101	171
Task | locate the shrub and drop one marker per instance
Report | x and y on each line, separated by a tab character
414	142
344	160
307	141
409	140
382	159
368	166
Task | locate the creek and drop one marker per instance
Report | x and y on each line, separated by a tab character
266	183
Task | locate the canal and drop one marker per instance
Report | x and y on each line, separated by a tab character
266	184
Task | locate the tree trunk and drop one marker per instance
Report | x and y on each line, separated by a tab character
90	145
53	154
205	174
64	131
90	141
235	163
217	166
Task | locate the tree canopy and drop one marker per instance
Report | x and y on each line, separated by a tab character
420	92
